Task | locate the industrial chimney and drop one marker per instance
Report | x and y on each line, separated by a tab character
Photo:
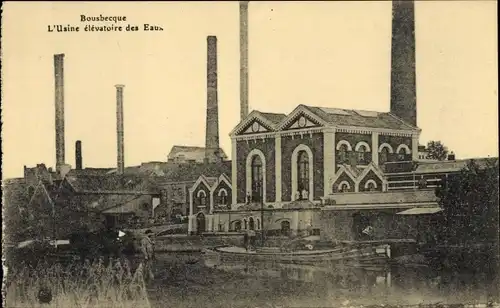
212	125
119	129
59	104
78	155
243	59
403	79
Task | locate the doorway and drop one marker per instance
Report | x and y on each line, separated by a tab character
200	223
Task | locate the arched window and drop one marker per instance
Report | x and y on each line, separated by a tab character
303	172
401	154
237	226
222	197
361	153
257	189
202	198
384	155
344	187
258	224
371	185
245	224
343	153
251	224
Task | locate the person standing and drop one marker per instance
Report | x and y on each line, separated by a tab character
147	251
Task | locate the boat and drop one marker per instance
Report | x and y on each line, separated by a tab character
366	254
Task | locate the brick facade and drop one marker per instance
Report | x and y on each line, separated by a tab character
288	144
243	148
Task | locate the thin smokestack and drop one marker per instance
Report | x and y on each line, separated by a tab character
243	59
59	108
119	129
212	124
78	155
403	76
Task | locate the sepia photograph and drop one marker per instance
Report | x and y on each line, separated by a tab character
250	154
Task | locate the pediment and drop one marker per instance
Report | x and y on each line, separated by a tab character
302	121
255	127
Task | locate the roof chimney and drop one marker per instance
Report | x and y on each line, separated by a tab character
78	155
212	125
403	80
59	104
119	129
243	59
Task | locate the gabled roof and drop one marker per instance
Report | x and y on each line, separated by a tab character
329	117
351	172
271	120
275	118
376	169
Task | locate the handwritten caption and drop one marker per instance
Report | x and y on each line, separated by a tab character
103	24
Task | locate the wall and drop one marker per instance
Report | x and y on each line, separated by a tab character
343	225
288	144
196	243
336	225
243	148
394	142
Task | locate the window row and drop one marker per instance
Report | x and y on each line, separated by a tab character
220	199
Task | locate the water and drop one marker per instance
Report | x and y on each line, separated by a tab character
188	280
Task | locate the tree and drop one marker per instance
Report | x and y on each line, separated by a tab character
470	203
436	150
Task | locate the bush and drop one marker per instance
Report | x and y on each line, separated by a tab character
82	285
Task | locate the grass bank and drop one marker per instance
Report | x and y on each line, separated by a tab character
77	285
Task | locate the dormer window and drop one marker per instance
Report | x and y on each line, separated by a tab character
343	153
222	197
384	155
202	198
401	155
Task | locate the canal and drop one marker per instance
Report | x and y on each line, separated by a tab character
189	280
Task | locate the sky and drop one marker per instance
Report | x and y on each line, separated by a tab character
332	54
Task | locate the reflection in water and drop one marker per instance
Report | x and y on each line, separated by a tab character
395	285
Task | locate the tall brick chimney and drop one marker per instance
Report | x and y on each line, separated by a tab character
59	104
403	79
243	59
78	155
119	129
212	124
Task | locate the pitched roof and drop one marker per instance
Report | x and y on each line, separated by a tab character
90	171
451	165
111	183
191	152
274	118
112	203
362	118
355	171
